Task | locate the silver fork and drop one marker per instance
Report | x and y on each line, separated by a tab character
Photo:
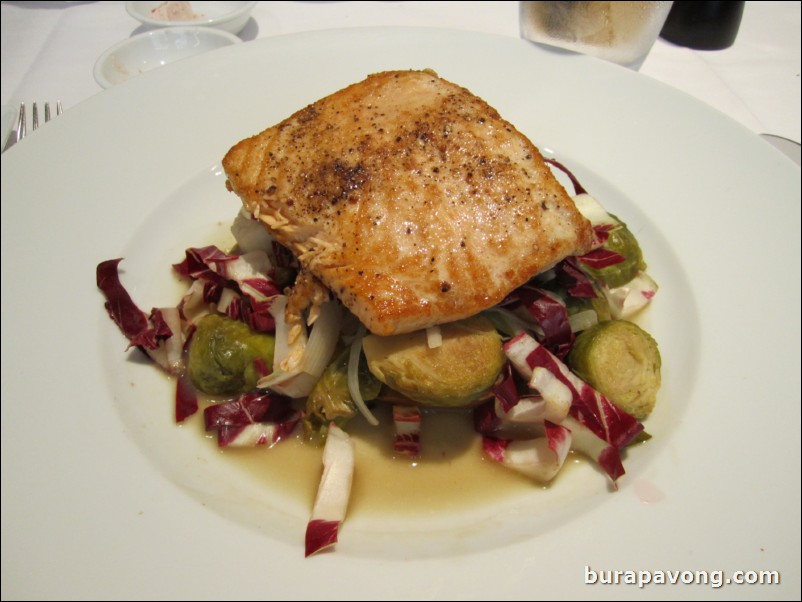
19	132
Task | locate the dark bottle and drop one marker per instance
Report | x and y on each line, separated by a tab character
703	25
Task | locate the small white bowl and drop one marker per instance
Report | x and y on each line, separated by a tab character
228	16
155	48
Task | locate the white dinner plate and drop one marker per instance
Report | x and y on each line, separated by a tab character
103	497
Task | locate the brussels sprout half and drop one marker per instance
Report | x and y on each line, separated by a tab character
455	374
223	354
623	242
621	361
330	399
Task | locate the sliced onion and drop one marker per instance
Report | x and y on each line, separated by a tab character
297	366
283	349
524	420
434	337
192	305
174	345
507	322
583	320
529	410
627	300
282	330
323	339
254	264
593	211
354	355
250	234
168	352
555	393
227	297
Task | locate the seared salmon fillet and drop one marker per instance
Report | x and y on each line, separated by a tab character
410	198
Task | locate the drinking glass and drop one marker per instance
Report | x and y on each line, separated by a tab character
621	32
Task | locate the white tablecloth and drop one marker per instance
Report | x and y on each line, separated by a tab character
49	49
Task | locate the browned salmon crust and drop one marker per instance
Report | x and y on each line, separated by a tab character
410	198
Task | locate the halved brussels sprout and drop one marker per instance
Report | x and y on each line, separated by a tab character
330	400
621	361
455	374
623	242
222	355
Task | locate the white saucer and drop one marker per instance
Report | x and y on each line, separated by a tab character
155	48
228	16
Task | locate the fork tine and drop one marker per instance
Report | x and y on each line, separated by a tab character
18	132
21	129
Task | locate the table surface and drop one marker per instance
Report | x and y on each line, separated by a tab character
49	49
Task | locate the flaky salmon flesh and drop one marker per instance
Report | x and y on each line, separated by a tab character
410	198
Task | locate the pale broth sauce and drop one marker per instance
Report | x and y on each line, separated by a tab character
451	474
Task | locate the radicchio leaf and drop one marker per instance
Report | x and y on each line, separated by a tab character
540	458
258	433
236	283
506	388
331	501
610	461
259	289
131	320
283	257
320	534
589	408
601	258
157	331
494	448
407	421
204	263
186	399
557	436
602	232
256	418
552	316
257	316
141	331
575	281
578	188
485	420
